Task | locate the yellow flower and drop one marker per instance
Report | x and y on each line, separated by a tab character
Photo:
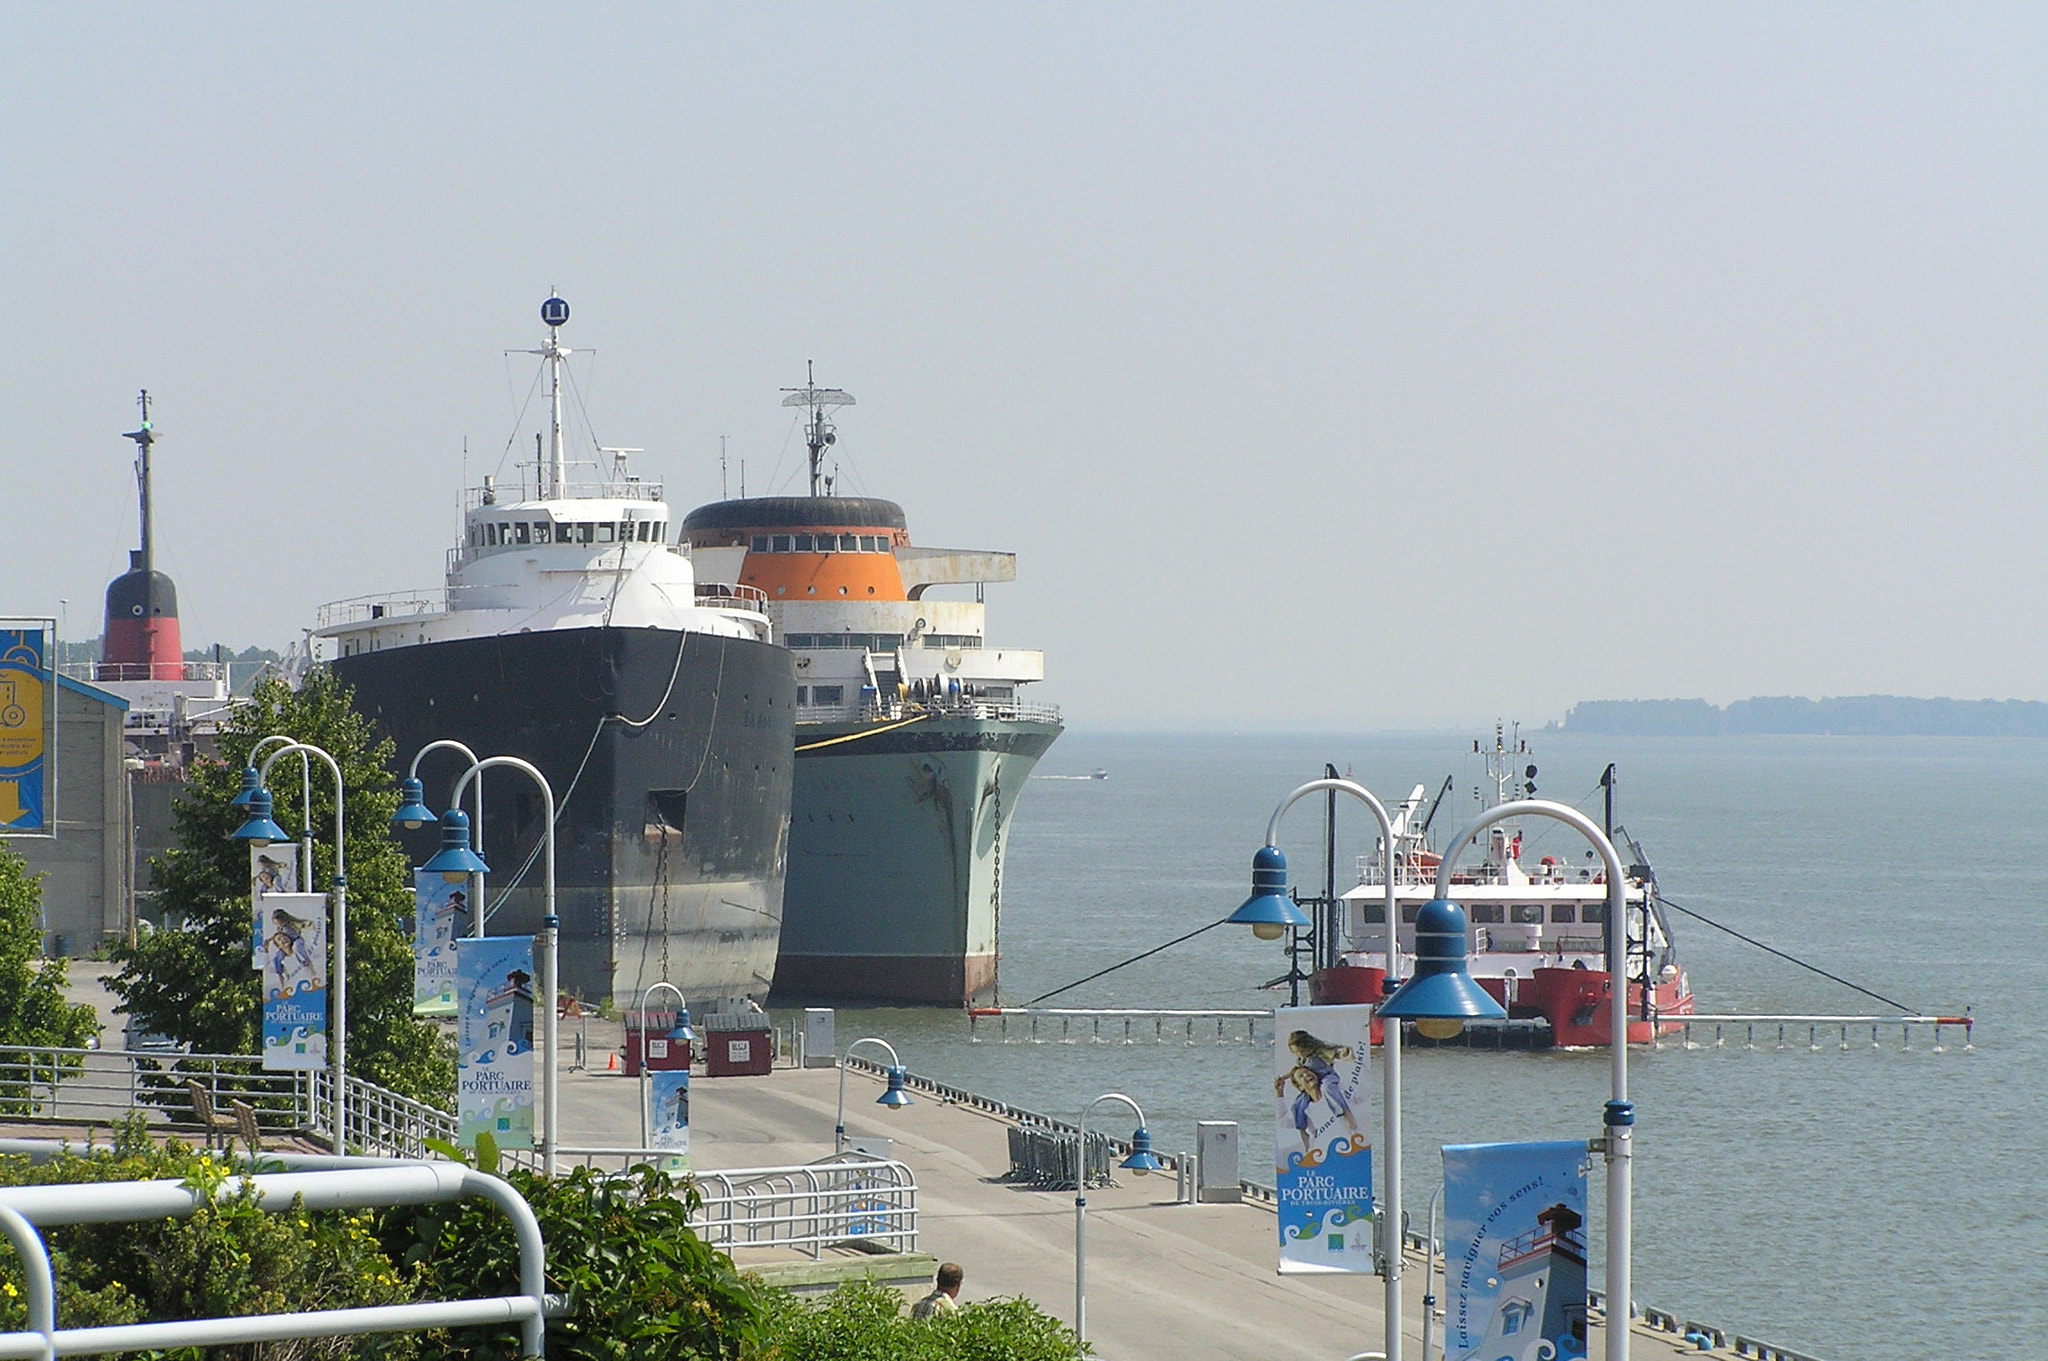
8	1286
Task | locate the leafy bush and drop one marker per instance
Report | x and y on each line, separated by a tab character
640	1284
868	1322
32	1006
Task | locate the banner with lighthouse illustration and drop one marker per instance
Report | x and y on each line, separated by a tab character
294	981
1323	1155
440	918
668	1116
494	1034
1515	1251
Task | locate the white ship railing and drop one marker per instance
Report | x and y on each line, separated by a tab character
91	672
362	609
578	489
712	595
1003	711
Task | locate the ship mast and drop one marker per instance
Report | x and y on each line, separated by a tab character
554	312
145	560
818	433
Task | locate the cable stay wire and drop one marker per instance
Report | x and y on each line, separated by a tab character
1132	960
1789	959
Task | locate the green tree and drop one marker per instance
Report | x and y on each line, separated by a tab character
32	1006
195	984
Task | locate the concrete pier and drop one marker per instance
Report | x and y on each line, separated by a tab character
1165	1280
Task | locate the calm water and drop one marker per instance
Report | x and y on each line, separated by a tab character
1846	1204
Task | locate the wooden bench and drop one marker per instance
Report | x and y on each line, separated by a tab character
245	1125
210	1120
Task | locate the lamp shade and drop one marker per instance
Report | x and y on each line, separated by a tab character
251	782
413	812
259	830
1142	1159
1443	987
1269	911
682	1030
455	857
897	1096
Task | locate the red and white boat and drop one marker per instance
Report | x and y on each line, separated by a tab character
1538	931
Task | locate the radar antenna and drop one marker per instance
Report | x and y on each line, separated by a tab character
818	433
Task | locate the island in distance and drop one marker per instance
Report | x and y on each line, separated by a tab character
1840	716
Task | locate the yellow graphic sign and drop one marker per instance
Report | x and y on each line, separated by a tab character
24	730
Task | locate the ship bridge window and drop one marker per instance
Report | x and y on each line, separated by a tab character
951	640
1564	912
781	543
504	533
544	531
868	544
828	694
1487	914
1593	912
760	544
1526	914
604	532
522	532
585	531
805	543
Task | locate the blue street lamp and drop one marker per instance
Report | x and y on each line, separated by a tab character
251	782
259	830
1141	1161
1440	994
455	861
896	1096
1269	911
413	812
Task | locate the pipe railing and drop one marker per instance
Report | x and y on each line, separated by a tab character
25	1211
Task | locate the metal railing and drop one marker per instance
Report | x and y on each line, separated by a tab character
1045	1158
362	609
142	671
385	1123
107	1086
1820	1032
999	710
714	595
26	1210
1080	1025
810	1207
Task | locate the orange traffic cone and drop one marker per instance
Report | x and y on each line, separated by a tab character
611	1062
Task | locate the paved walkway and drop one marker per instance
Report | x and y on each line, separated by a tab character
1165	1280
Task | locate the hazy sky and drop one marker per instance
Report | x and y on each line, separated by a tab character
1327	367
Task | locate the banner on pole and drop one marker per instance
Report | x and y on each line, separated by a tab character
1323	1156
294	981
1515	1251
494	998
272	870
669	1115
440	918
28	682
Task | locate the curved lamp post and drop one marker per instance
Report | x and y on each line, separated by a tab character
1141	1161
894	1097
1620	1116
253	781
550	932
1270	906
414	814
681	1032
260	830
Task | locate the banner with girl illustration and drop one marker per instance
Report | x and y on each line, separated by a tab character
1323	1163
294	981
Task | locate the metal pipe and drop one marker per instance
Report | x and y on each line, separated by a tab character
338	1050
550	932
1081	1205
839	1124
1620	1115
1390	1053
682	1004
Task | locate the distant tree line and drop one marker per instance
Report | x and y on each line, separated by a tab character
1840	716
